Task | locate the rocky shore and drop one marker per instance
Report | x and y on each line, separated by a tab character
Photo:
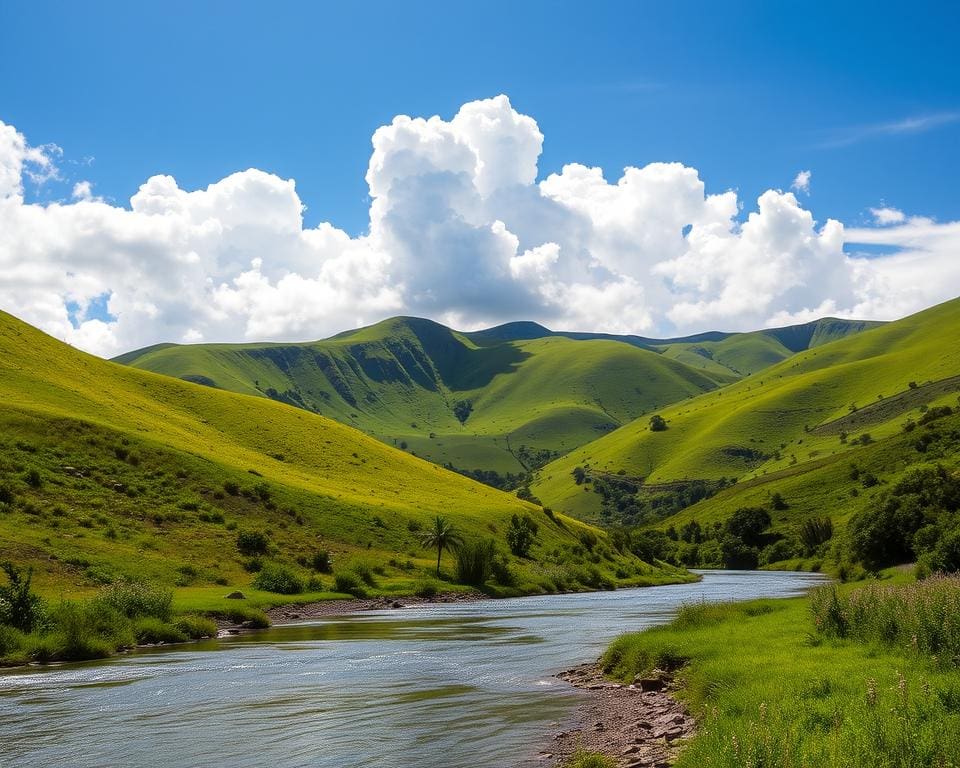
286	614
641	725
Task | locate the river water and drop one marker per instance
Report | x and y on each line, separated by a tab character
446	686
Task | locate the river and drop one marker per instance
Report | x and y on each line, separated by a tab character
445	686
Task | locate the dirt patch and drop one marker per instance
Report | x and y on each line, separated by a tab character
641	725
285	614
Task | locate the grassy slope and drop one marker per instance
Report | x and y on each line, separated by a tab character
399	380
770	414
794	698
746	353
132	469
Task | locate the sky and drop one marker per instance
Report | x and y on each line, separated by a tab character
237	171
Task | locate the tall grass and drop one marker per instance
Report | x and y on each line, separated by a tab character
770	691
921	618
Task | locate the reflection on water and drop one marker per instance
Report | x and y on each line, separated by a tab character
440	686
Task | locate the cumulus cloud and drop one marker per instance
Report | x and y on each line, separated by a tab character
460	230
801	182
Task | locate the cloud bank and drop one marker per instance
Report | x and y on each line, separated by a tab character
460	231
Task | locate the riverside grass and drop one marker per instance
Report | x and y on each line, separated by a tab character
108	472
771	689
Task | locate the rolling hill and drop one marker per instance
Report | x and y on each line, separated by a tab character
808	428
107	471
501	400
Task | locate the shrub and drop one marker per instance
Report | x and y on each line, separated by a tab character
89	630
348	584
19	607
426	588
521	534
501	571
196	627
153	630
7	496
365	573
231	487
252	543
320	561
276	578
33	479
137	599
474	562
658	423
815	531
315	584
11	642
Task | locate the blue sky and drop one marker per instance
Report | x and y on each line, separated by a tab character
748	93
147	152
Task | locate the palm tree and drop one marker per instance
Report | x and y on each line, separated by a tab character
442	536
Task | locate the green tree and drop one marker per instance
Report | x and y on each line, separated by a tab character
658	423
443	536
748	524
521	534
20	608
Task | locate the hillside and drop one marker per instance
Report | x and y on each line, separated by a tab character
809	429
107	471
501	400
471	400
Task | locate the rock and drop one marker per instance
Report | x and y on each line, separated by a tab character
396	604
649	683
235	596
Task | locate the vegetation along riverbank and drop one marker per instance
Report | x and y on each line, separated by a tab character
854	676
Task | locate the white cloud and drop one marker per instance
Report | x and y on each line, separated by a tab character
886	216
801	182
460	230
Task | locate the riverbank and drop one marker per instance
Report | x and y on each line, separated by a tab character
325	609
857	678
638	725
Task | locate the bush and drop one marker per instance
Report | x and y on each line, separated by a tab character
521	535
196	627
33	479
502	573
252	543
474	561
137	599
815	531
11	643
348	584
426	588
153	630
19	607
365	574
276	578
89	630
321	561
658	423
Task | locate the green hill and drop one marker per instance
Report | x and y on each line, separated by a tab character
501	400
794	429
487	401
107	471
